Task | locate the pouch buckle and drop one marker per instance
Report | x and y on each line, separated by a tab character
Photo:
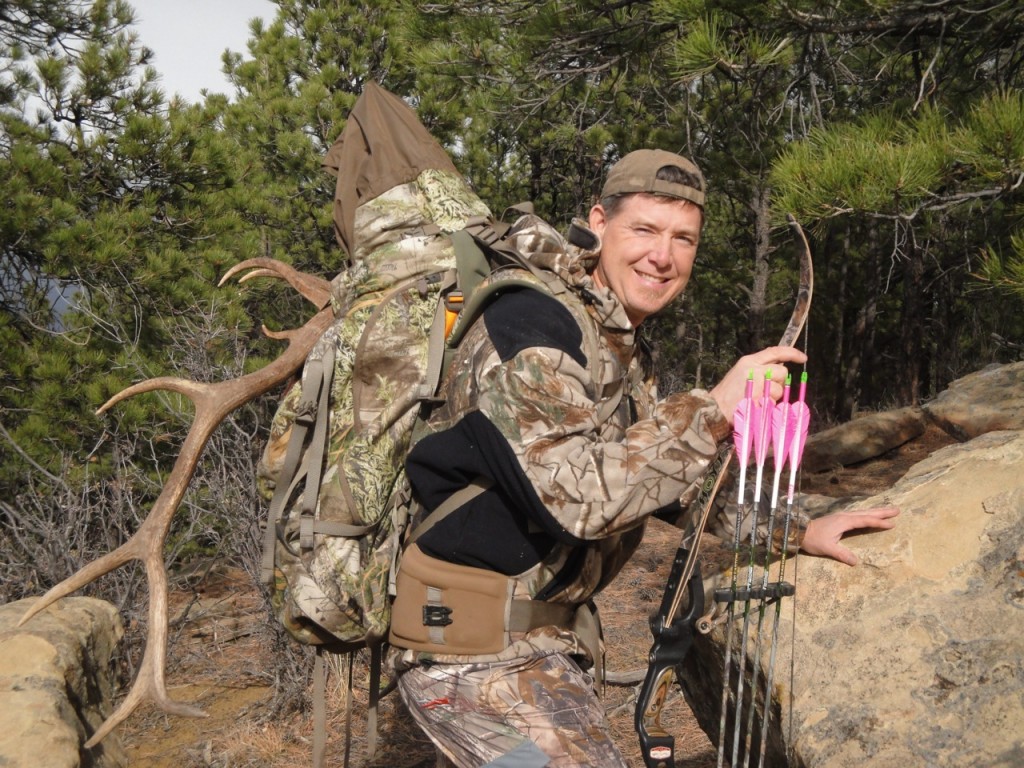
436	615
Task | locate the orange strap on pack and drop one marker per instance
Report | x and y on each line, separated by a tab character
452	306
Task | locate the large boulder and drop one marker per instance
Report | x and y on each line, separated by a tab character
864	438
56	684
987	401
915	657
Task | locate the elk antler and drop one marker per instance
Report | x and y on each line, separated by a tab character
213	402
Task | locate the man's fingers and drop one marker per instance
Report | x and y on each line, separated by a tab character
880	517
845	555
770	355
824	533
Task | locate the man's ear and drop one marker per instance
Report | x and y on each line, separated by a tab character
598	219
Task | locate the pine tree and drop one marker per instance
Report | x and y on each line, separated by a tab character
912	168
291	98
120	219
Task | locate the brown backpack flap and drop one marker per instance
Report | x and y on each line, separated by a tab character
383	144
447	608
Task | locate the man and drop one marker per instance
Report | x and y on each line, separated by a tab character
552	418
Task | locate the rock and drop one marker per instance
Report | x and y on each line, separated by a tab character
56	684
986	401
915	657
864	438
991	399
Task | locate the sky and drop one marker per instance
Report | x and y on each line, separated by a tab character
189	36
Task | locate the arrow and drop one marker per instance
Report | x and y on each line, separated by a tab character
796	440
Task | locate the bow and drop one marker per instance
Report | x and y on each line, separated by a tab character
673	629
788	439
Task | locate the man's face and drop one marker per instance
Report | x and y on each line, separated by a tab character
647	251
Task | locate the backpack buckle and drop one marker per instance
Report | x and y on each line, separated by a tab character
436	615
453	302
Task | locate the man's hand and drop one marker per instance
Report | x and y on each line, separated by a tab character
730	390
823	534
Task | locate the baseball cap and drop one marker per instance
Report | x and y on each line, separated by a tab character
638	171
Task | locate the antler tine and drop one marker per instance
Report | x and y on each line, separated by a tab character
316	289
213	402
150	683
285	335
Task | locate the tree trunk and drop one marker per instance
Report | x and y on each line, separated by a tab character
762	269
839	340
908	371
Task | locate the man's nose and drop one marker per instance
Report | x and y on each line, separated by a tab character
661	251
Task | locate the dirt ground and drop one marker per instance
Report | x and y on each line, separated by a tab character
219	658
220	661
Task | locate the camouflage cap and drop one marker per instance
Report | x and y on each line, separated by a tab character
638	172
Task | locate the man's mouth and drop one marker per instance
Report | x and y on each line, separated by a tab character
653	279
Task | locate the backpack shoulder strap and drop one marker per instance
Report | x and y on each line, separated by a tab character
475	265
455	313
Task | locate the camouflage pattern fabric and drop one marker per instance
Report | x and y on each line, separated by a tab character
338	589
535	712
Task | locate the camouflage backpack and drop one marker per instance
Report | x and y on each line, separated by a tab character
426	256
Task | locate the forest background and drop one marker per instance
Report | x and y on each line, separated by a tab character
892	130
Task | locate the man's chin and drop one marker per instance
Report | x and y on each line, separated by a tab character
653	302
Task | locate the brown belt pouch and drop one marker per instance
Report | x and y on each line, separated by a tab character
442	607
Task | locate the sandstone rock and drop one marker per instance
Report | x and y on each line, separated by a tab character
864	438
991	399
916	656
56	684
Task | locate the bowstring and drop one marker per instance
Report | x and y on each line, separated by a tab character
796	564
766	713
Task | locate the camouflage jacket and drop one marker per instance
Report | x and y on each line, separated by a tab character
572	491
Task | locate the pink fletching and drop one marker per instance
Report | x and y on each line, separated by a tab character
741	431
742	428
800	417
763	411
796	433
780	431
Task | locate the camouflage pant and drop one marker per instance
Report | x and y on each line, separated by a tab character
527	713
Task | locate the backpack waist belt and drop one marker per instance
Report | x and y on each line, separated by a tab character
447	608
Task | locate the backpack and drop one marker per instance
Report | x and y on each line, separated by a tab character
426	258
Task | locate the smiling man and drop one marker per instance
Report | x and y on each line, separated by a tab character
551	417
649	240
